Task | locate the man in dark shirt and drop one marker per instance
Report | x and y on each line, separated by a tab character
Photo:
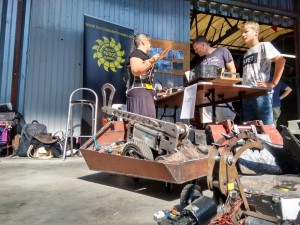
222	58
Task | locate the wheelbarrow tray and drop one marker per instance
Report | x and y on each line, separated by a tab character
171	172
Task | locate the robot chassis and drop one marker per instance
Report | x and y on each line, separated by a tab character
148	138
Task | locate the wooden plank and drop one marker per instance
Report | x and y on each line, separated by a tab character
230	92
226	80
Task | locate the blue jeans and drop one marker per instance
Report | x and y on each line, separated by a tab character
259	108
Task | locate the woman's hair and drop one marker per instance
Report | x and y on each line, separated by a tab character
136	39
139	37
251	24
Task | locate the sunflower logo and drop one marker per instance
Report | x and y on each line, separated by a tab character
109	54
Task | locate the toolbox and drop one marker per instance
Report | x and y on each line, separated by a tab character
204	72
213	74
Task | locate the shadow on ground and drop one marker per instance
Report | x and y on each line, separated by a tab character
152	188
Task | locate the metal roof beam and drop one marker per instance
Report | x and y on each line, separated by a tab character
245	11
208	25
227	21
228	33
235	46
257	7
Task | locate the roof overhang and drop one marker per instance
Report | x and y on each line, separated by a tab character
218	21
238	6
222	31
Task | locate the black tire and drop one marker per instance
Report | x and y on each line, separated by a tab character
137	149
189	194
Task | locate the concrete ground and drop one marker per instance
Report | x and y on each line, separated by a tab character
35	192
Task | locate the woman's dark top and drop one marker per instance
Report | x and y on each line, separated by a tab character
142	80
140	98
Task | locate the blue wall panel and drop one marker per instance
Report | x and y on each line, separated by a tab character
1	12
7	43
55	47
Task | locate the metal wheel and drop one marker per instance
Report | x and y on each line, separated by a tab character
189	194
137	149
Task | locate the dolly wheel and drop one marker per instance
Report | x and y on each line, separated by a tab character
137	149
189	194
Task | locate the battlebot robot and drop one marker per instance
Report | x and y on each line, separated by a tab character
265	199
149	138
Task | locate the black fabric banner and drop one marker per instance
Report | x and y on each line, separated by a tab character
106	50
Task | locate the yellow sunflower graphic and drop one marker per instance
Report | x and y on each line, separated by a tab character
109	54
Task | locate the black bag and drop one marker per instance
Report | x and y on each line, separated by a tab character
53	147
27	133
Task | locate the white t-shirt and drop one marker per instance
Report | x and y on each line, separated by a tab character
257	63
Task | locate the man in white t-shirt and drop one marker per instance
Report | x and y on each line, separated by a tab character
256	72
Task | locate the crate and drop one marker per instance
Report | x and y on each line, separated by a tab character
4	133
8	117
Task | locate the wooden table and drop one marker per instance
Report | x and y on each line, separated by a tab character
209	93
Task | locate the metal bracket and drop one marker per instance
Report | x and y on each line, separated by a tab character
111	96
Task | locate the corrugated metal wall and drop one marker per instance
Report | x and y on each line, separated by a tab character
1	8
55	49
8	9
286	4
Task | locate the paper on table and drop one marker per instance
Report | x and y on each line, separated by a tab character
190	75
189	100
187	75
